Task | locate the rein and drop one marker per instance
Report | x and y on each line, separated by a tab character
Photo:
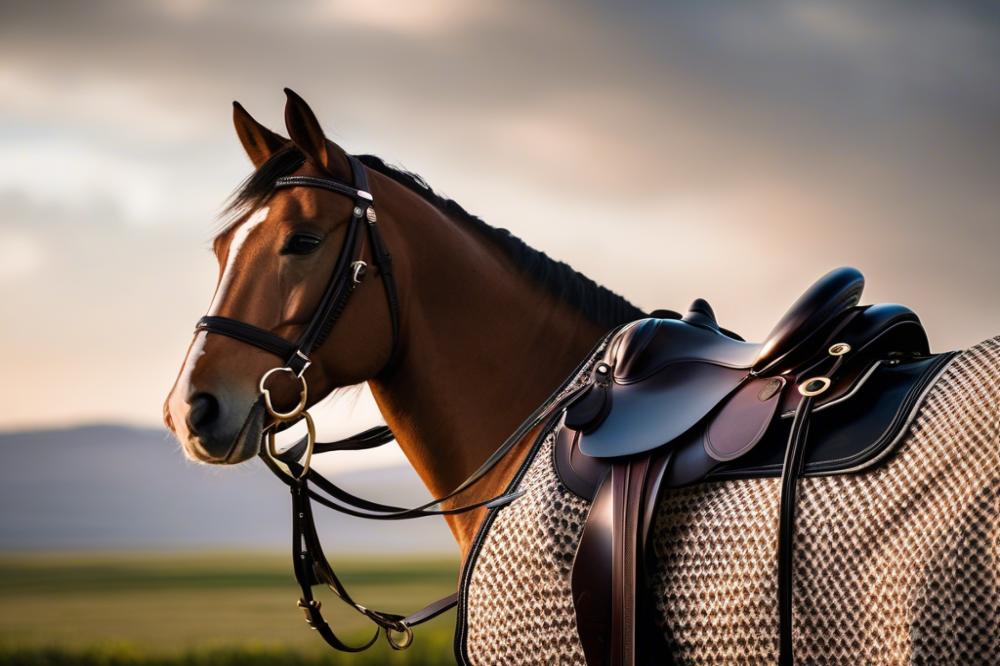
292	466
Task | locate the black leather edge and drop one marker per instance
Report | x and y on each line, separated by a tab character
876	453
581	480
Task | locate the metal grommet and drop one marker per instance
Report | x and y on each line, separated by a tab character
839	349
303	395
400	628
814	386
357	211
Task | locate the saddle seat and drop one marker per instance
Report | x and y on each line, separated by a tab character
676	401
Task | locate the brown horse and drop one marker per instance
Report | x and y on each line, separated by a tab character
897	556
488	326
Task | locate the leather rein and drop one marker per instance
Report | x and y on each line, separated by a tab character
292	465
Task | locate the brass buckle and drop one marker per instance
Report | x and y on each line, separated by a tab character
307	608
306	460
399	628
303	395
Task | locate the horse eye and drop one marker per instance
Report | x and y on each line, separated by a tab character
301	244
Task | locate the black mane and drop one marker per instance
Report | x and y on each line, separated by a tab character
600	305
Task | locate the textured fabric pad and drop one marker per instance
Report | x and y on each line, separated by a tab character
900	564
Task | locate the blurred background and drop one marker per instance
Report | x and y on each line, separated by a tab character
746	148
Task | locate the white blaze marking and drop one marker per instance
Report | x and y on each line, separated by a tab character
239	237
178	398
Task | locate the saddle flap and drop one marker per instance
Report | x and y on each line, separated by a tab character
651	413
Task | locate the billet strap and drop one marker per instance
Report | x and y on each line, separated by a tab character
791	470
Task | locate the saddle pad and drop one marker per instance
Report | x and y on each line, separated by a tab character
900	564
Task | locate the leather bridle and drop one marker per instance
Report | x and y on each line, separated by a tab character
292	465
346	276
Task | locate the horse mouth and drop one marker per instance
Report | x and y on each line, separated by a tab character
250	437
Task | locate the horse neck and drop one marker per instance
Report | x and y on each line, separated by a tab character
481	348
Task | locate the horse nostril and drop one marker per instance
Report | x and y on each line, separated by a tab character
204	411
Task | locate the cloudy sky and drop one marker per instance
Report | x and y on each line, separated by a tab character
746	148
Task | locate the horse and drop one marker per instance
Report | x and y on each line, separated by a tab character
462	331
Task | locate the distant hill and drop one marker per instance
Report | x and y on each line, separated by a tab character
112	487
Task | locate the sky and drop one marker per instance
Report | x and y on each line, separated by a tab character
743	149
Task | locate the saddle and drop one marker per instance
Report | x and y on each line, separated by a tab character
678	401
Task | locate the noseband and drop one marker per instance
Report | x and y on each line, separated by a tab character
292	466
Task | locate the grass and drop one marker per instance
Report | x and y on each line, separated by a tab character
204	609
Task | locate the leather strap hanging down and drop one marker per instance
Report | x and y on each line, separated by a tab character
791	470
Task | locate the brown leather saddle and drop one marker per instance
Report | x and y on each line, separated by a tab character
681	401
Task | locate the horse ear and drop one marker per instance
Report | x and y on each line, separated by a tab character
307	135
259	142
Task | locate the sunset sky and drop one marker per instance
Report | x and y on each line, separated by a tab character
745	148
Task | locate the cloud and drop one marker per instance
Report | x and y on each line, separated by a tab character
21	256
740	150
429	18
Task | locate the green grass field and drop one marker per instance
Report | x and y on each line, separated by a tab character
204	609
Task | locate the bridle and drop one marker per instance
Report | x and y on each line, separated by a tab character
346	276
292	466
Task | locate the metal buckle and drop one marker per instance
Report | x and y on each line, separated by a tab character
305	366
400	628
303	395
358	270
306	460
307	608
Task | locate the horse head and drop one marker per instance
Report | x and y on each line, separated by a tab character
275	258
